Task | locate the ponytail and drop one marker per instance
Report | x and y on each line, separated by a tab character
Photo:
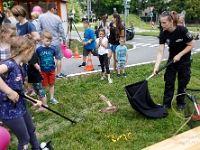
171	16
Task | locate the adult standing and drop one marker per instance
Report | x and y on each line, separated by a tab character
104	24
51	22
116	31
24	27
27	29
181	20
180	43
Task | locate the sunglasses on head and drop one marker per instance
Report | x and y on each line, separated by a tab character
167	13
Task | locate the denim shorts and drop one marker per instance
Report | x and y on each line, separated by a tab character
112	47
59	54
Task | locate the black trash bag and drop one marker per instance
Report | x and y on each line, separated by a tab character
141	101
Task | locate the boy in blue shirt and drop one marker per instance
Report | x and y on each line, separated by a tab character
46	54
121	56
88	42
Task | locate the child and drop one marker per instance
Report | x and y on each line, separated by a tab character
7	32
46	55
89	42
35	79
121	56
96	32
17	119
102	44
34	16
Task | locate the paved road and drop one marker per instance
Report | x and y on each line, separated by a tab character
145	49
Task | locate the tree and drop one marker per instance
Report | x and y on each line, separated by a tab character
73	4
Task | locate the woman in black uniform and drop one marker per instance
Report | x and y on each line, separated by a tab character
180	43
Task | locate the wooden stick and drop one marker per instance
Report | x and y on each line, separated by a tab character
183	125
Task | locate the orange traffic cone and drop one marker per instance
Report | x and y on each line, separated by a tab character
76	55
89	66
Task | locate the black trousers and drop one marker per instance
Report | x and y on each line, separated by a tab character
103	59
183	71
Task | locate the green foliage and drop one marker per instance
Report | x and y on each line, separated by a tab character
79	11
8	4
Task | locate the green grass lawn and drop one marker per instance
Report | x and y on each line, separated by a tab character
78	98
147	33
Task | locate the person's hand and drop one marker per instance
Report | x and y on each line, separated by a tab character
155	71
100	40
29	36
84	43
65	44
13	96
39	103
176	58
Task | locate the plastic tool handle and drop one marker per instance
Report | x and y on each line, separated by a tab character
195	103
32	100
169	63
6	99
161	69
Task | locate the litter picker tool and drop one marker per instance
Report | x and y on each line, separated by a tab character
34	101
140	99
191	111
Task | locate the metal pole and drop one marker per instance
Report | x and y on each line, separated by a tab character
88	8
125	20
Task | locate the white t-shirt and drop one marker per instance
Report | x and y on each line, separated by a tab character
102	50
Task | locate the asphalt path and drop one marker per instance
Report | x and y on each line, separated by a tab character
144	51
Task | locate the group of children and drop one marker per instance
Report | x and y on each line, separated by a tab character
102	45
15	51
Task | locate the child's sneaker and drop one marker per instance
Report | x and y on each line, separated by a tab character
82	65
110	81
103	77
53	101
124	74
118	75
46	146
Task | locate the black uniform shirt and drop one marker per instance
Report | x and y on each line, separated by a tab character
176	41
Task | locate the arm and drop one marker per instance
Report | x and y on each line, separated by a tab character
62	32
122	33
126	56
35	36
12	95
37	67
98	43
189	47
159	56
